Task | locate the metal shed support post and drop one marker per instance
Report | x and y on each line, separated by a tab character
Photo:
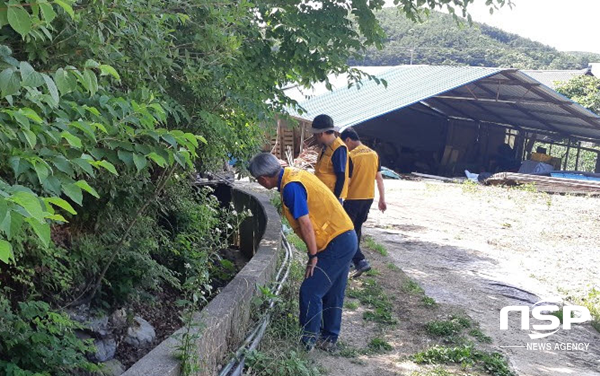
567	154
577	158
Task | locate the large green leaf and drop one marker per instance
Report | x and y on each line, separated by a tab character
3	209
3	14
61	204
86	187
52	89
31	204
71	139
108	70
108	166
67	8
90	81
126	157
30	137
73	192
19	19
48	12
42	230
63	164
65	82
84	164
140	161
10	83
29	77
5	251
5	224
42	171
157	159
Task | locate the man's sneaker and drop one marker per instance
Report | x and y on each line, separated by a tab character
308	346
328	346
362	267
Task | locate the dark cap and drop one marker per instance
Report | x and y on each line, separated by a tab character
322	123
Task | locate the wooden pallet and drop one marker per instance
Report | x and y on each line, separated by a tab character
546	183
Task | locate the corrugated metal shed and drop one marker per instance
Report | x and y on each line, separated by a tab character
494	95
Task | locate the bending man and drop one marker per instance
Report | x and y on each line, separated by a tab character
320	221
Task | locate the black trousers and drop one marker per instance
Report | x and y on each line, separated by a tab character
358	211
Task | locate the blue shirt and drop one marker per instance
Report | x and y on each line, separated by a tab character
338	159
294	197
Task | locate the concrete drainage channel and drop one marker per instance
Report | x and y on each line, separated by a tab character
225	320
235	367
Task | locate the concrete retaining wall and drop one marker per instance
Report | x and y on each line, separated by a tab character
223	322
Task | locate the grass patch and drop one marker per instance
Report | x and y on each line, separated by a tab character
469	186
412	287
290	363
370	294
380	316
450	330
467	356
280	351
442	328
379	346
351	305
348	351
592	302
373	273
374	246
479	336
429	302
464	322
438	371
392	266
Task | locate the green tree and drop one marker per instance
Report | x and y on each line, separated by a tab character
584	90
439	39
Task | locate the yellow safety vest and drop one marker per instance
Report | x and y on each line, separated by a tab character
365	162
328	217
324	168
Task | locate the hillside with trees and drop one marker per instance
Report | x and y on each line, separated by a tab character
439	40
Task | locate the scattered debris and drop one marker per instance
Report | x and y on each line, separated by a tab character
546	183
441	178
388	173
308	158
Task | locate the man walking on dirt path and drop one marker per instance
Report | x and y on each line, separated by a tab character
317	217
365	169
332	166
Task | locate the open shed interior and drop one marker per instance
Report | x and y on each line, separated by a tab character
444	120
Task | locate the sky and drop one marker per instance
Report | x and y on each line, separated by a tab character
567	25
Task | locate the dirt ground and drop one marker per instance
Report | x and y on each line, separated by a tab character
476	250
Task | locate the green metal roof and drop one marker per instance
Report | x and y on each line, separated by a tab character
502	96
406	85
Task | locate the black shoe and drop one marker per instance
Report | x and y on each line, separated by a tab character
362	267
308	346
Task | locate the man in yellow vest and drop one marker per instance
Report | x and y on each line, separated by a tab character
365	169
320	221
332	166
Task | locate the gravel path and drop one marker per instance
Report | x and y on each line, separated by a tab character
483	248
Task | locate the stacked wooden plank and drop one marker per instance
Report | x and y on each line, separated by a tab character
546	183
308	158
